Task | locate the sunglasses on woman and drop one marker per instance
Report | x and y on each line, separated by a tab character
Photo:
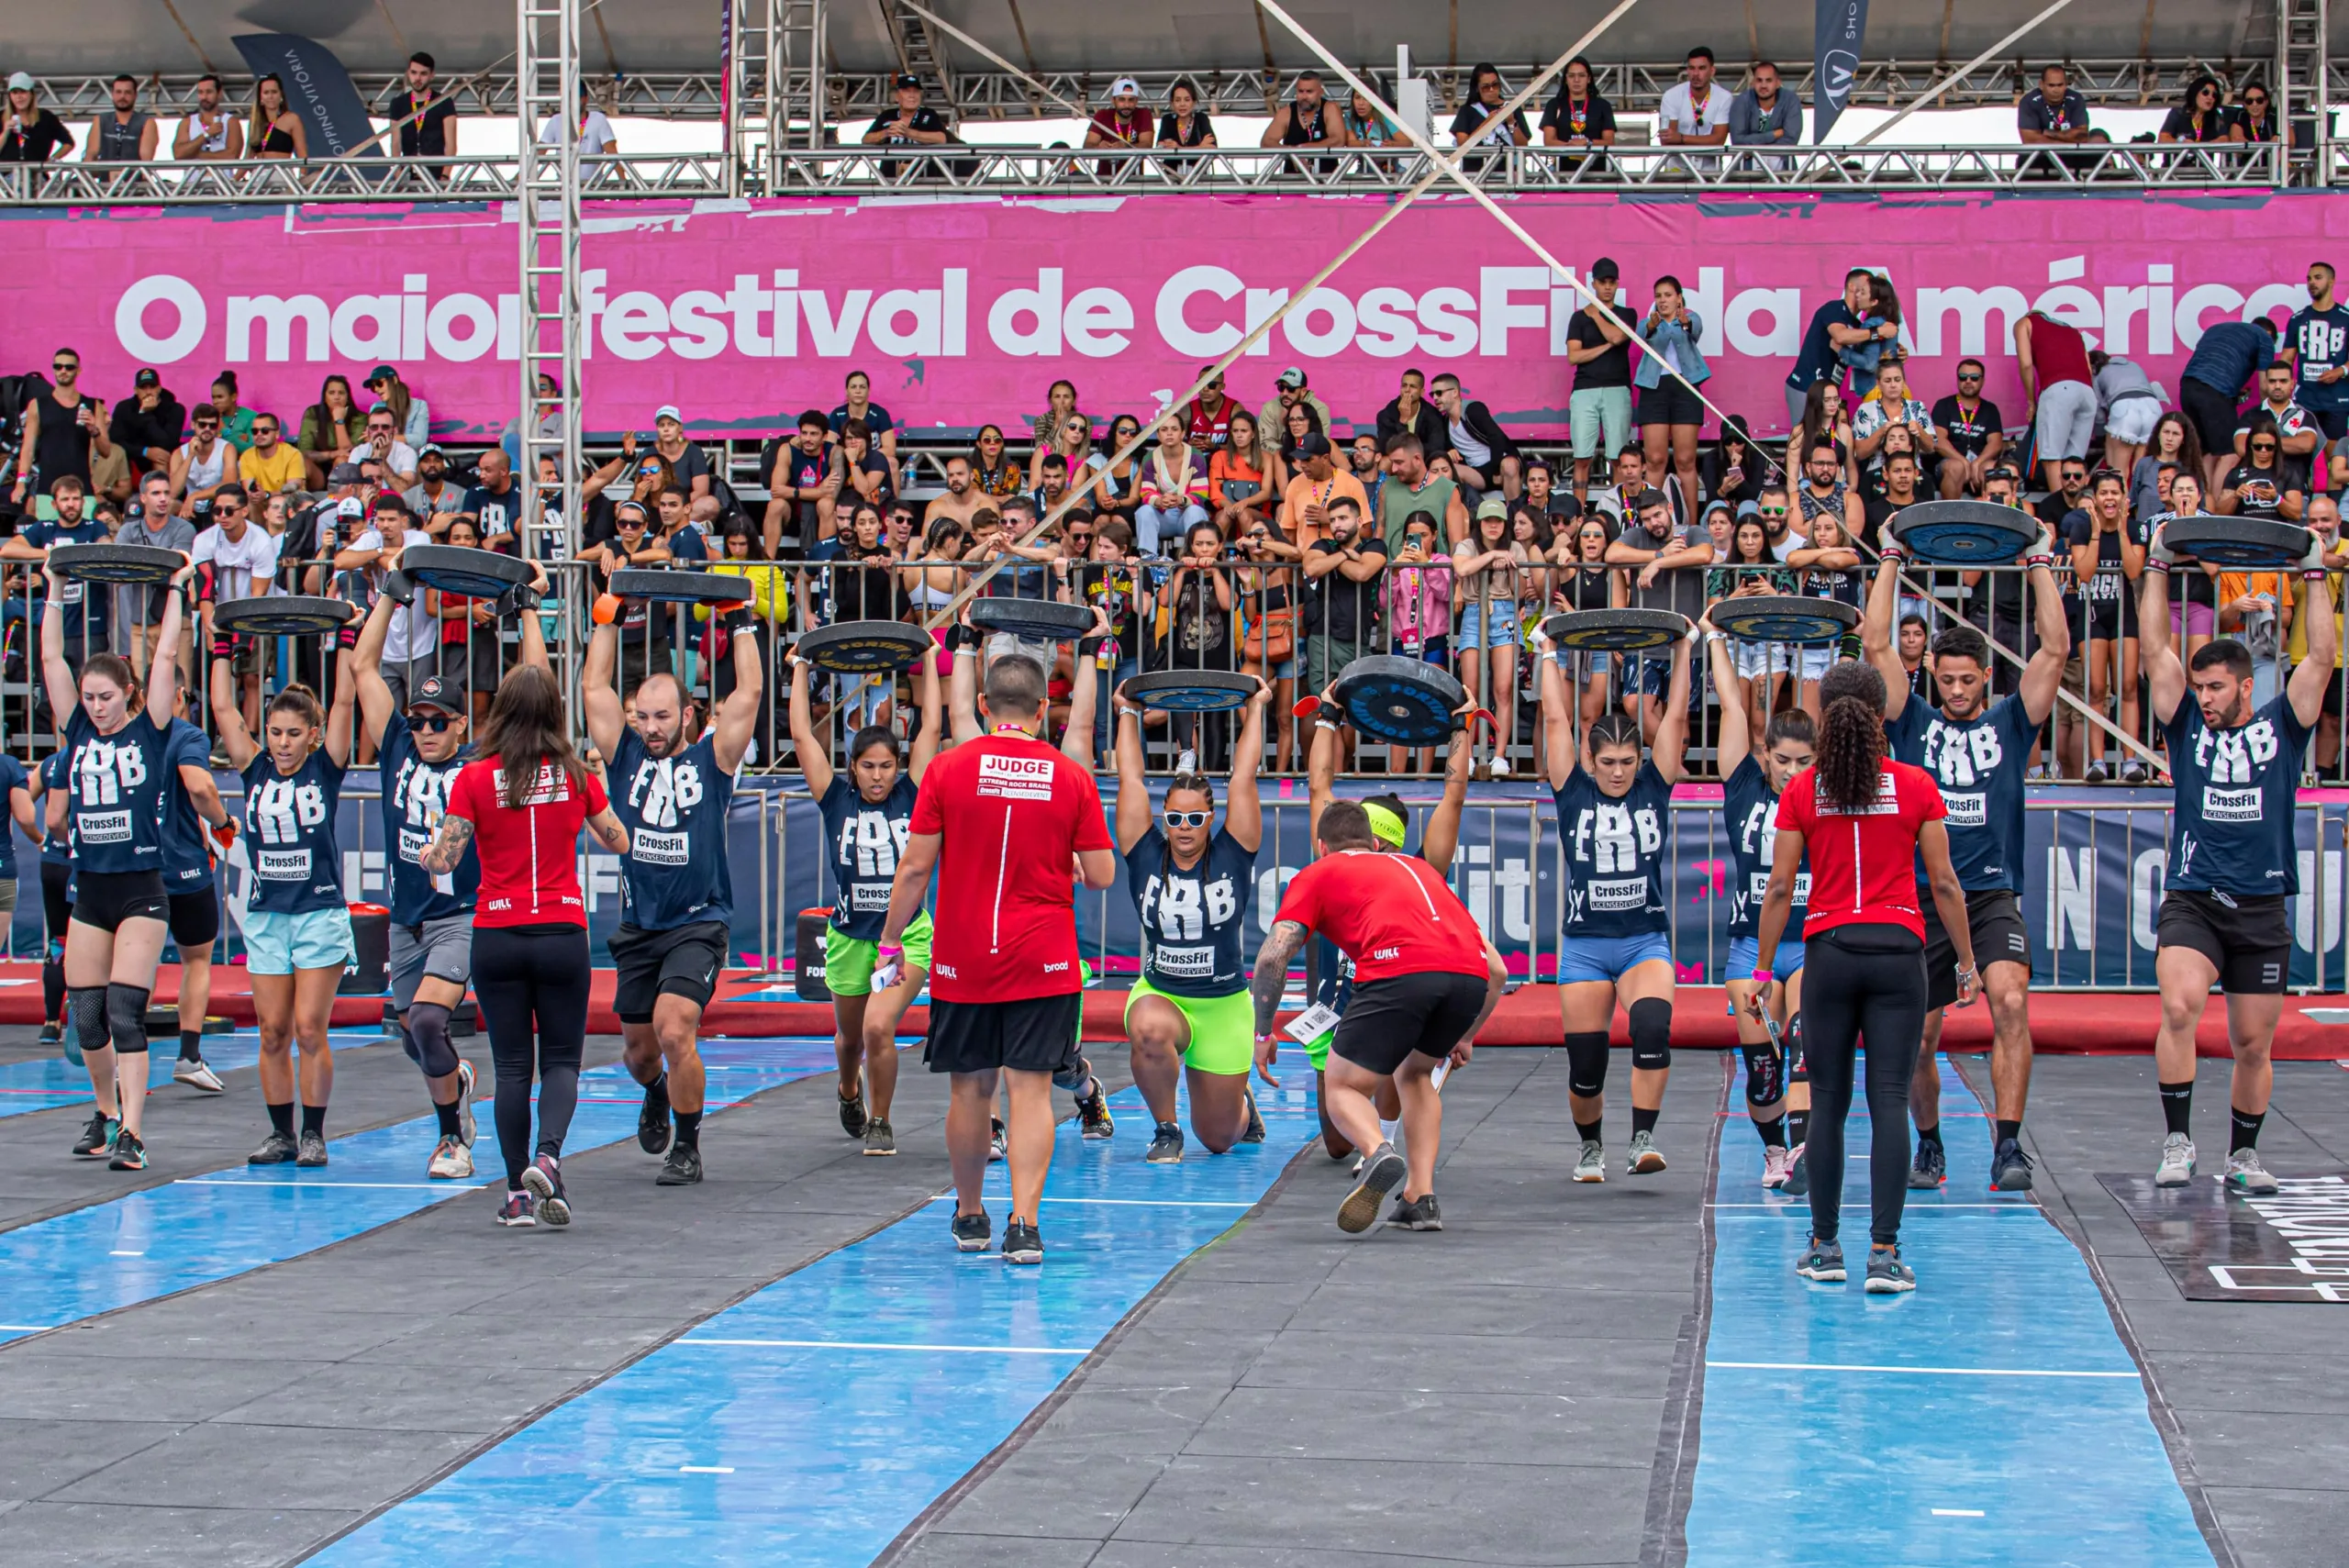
1189	818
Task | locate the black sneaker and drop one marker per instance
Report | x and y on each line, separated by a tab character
2099	774
653	1119
1165	1145
98	1137
313	1150
1929	1169
130	1154
880	1138
2133	771
1416	1213
50	1034
542	1179
1022	1243
1254	1131
1092	1110
278	1149
2010	1168
681	1169
852	1113
1381	1174
972	1231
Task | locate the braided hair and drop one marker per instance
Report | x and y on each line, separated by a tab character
1851	740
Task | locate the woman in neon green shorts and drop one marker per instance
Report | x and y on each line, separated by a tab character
868	814
1191	882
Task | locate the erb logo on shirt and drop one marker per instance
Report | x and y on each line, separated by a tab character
1613	838
1015	778
2231	756
663	788
105	771
1959	757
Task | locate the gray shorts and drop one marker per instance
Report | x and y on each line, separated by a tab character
442	949
1003	643
402	678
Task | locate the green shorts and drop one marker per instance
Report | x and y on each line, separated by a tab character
1224	1029
1318	1052
848	963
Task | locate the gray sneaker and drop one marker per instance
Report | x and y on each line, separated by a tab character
880	1138
1644	1159
1888	1275
2176	1168
1929	1168
1165	1145
1592	1166
313	1150
2246	1175
1823	1262
1381	1175
1416	1213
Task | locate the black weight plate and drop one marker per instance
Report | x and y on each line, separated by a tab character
2254	544
1408	701
115	563
1616	631
1964	533
664	586
864	647
1192	691
469	573
1039	620
281	614
1786	618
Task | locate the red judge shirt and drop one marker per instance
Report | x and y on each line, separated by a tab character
1392	913
530	857
1013	812
1863	859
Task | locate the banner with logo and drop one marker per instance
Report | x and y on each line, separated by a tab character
1835	61
317	88
966	309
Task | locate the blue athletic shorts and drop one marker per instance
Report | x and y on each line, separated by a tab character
1745	950
1583	959
280	944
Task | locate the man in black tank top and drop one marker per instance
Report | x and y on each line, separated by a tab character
1309	119
125	135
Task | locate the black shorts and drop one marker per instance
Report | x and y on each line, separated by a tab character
195	917
2247	940
2332	695
106	899
2212	412
1389	1019
1668	402
56	908
1995	921
684	962
1035	1034
2334	422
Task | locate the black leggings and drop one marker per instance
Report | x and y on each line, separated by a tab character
532	983
1862	982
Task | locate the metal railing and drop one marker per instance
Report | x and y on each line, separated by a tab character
361	179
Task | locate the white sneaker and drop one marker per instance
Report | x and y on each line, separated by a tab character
466	1126
2246	1175
1774	1161
1500	766
2176	1168
451	1161
197	1075
1592	1166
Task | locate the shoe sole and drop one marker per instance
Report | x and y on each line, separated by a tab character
1915	1185
1879	1286
273	1160
1590	1175
972	1243
310	1165
2268	1189
138	1164
2019	1182
526	1222
214	1087
1647	1164
433	1175
1826	1277
877	1151
2162	1178
552	1209
1415	1225
1360	1210
1154	1158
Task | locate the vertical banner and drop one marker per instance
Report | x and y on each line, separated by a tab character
726	72
317	88
1835	60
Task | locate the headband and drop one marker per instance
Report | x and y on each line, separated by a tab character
1385	824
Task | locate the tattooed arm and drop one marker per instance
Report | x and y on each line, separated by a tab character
607	830
1272	970
448	846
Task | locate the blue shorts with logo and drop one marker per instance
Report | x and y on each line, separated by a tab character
1608	958
1744	952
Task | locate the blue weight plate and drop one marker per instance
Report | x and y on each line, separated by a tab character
1616	631
1786	618
1406	701
1192	691
114	562
1964	533
2255	544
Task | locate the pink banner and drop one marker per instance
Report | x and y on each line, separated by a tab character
963	310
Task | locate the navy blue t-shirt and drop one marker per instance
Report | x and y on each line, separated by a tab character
1817	362
54	850
865	838
289	835
85	602
2231	826
1191	920
1979	767
2228	356
12	779
416	796
115	818
187	855
2320	341
1614	855
1750	810
675	811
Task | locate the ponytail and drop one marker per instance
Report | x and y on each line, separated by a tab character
1850	738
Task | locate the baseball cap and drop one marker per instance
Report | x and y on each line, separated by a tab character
1492	506
435	692
431	449
1314	444
146	377
905	80
1125	86
20	81
350	506
1290	377
667	411
381	373
1604	270
345	473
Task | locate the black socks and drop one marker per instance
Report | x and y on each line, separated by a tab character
2243	1129
280	1119
689	1128
1773	1132
1797	1126
1932	1135
191	1045
314	1119
2009	1130
2177	1106
1644	1121
448	1114
1588	1131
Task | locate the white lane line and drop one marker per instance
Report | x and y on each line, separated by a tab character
27	1328
729	1470
118	1253
878	1345
1914	1371
1958	1513
1129	1202
329	1186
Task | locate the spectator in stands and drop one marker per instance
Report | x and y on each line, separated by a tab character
1408	413
800	487
2295	424
1670	414
1825	493
1071	442
269	467
1316	482
2051	112
1671	562
1694	112
383	444
1968	434
2127	407
866	475
1341	612
62	430
1736	469
275	130
1244	479
1365	125
1308	119
1368	465
2323	519
2262	485
1578	117
2172	446
2200	115
2211	386
1183	124
686	459
236	420
331	428
2250	120
1208	418
2317	337
1599	340
1290	390
2105	558
597	139
1883	322
149	522
1120	478
1173	484
1060	406
1764	115
911	124
148	422
1542	497
996	475
1411	487
2053	357
1479	121
204	463
410	417
1125	123
1890	407
212	134
126	134
28	133
425	117
1837	325
1484	456
433	499
1824	418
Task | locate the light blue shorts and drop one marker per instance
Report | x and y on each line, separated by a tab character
1745	950
314	939
1610	959
1468	626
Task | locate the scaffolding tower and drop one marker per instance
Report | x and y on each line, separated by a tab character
548	95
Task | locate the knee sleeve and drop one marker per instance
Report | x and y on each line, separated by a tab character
85	1008
127	1019
428	1027
1651	1033
1586	1063
1797	1066
1763	1076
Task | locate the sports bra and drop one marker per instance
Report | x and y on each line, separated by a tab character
277	138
